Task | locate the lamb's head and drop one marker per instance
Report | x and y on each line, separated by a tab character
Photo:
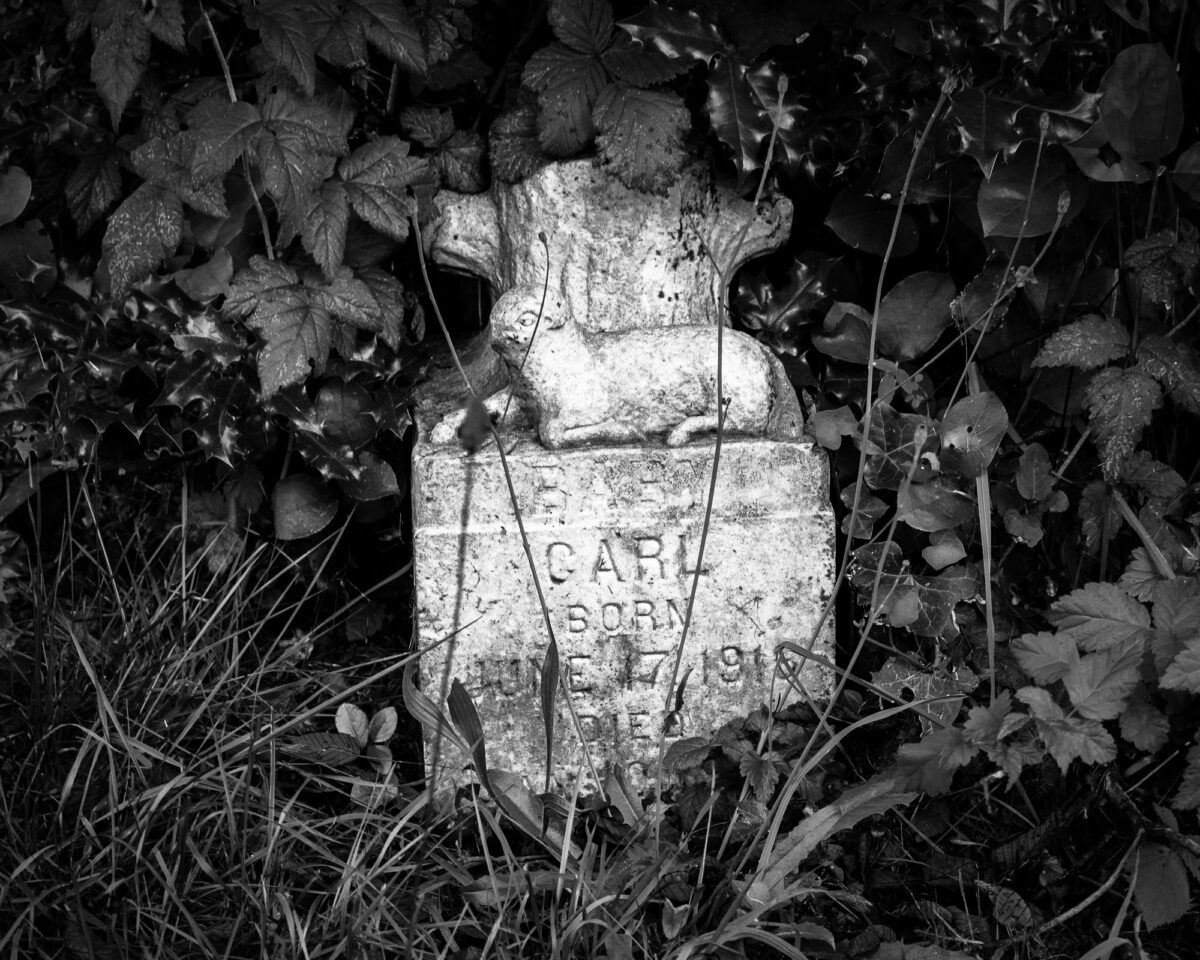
518	315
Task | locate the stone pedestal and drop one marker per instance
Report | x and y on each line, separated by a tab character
615	533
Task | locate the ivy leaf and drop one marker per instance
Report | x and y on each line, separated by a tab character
676	33
736	115
1024	527
145	229
583	25
894	441
922	604
1004	197
914	313
387	26
846	333
971	433
377	176
1183	673
1188	795
324	233
1175	366
287	37
1120	403
865	224
1098	616
567	83
939	694
945	548
829	426
935	505
1046	657
1161	885
1145	726
121	50
1099	685
641	136
1089	342
93	187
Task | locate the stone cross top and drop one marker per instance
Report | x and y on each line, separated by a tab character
616	372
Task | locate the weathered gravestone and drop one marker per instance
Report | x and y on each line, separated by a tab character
611	454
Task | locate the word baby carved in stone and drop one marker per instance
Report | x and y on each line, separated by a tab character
612	340
615	539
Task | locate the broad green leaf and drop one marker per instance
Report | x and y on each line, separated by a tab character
331	749
632	62
1046	657
1011	190
1076	738
1099	684
1034	479
324	233
676	33
971	433
429	126
387	26
937	504
223	131
984	725
15	190
895	440
914	313
1098	616
351	721
865	224
383	725
846	333
93	187
1089	342
298	336
145	229
922	604
1174	365
301	506
209	280
287	37
829	426
1141	104
929	765
165	20
944	689
378	176
1145	726
168	163
567	83
686	753
1183	673
1161	885
1120	404
640	136
1176	617
1187	171
945	549
583	25
121	50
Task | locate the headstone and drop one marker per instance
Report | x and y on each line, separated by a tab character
610	460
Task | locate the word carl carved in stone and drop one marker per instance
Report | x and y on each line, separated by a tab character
616	375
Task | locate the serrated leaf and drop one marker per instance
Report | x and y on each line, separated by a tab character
1046	657
378	176
298	336
632	62
1176	617
676	33
567	83
737	117
1075	738
640	136
1140	576
686	753
332	749
460	162
429	126
1152	478
145	229
761	773
119	58
983	726
389	298
1174	365
1163	262
93	187
971	433
929	765
349	299
1099	685
1008	907
301	506
1161	885
1007	205
168	163
1187	797
1183	673
166	23
324	233
1145	726
865	224
513	146
1089	342
1120	403
1098	616
352	722
287	37
223	131
914	313
583	25
387	26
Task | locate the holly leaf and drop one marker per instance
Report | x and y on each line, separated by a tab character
1120	403
971	433
1161	885
640	136
93	187
777	313
675	33
1007	205
1046	657
287	38
121	50
1145	726
913	314
324	232
1099	684
1183	673
1087	343
377	177
865	224
567	83
736	114
1175	366
583	25
1098	616
1188	795
145	229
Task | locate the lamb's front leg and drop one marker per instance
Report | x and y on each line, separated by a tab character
691	427
447	429
607	431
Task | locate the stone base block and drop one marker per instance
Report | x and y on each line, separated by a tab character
614	533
